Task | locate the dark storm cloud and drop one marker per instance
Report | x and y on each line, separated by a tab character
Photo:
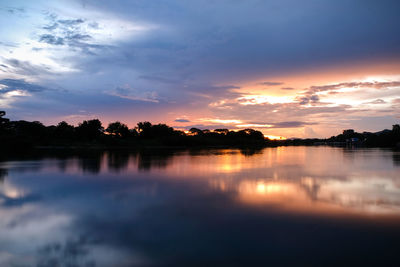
218	44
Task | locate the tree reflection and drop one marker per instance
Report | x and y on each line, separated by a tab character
119	160
251	151
148	159
396	158
3	175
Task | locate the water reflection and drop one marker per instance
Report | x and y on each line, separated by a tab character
216	207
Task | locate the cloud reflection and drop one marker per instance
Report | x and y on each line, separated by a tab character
123	208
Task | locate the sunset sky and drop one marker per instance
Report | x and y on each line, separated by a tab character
285	67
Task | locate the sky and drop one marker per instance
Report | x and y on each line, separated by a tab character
285	67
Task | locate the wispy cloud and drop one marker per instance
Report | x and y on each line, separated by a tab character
271	83
127	92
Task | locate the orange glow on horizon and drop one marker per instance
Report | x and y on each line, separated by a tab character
274	137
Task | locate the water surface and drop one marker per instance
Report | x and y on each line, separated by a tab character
297	206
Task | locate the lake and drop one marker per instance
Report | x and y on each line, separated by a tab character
285	206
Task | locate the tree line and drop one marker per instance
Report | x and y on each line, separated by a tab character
92	132
384	138
24	134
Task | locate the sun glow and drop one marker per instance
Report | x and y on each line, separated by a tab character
274	137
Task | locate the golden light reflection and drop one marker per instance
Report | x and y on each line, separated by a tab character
312	196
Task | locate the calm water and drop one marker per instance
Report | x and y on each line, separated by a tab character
312	206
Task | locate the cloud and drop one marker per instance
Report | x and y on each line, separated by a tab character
304	100
127	92
174	52
375	85
271	83
206	126
282	124
291	124
51	39
24	68
182	120
50	27
14	89
250	124
158	79
70	22
376	101
14	84
73	33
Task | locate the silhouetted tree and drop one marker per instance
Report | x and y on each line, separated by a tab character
148	131
143	127
196	131
91	129
3	123
222	131
118	129
64	130
29	129
252	134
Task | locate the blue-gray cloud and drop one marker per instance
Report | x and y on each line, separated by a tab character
24	68
182	120
51	39
13	84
